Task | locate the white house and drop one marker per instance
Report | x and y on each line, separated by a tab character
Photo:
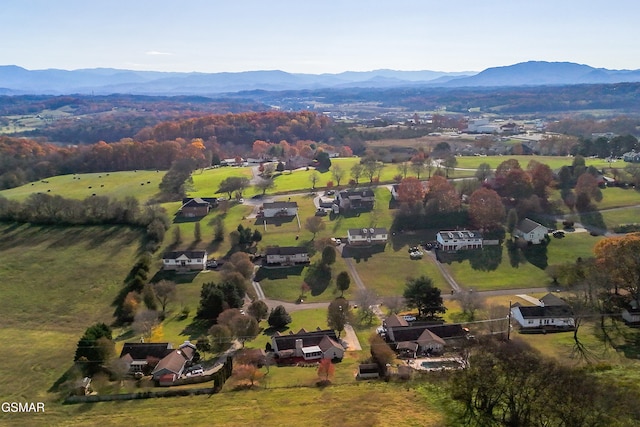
367	236
481	126
184	260
276	209
287	255
531	231
456	240
314	345
631	314
394	191
552	313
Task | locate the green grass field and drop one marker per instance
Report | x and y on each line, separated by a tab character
524	273
554	162
142	185
56	283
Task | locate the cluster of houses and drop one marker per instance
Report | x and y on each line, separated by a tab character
413	338
527	230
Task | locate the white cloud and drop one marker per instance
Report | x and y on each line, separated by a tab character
155	52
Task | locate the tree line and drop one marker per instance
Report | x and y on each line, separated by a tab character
42	208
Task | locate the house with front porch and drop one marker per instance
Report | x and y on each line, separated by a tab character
456	240
184	260
367	236
308	346
287	255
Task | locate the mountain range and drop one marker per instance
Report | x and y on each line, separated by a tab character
16	80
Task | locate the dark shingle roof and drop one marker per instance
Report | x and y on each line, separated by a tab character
367	231
188	254
413	332
286	250
527	225
358	193
280	205
550	300
288	342
553	311
140	351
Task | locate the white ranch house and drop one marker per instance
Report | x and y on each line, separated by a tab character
287	255
456	240
275	209
184	260
551	313
367	236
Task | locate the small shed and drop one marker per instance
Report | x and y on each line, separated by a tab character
368	371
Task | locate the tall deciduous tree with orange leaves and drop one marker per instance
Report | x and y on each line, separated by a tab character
620	257
486	210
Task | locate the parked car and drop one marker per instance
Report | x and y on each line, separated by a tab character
329	192
558	234
212	263
321	212
416	254
409	318
337	242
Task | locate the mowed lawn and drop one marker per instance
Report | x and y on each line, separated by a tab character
143	185
554	162
524	274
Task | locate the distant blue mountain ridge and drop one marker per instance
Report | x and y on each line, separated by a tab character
101	81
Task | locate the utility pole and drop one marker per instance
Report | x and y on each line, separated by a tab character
509	322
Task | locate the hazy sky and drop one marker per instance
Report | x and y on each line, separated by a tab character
321	36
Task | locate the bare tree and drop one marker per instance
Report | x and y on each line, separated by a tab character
314	178
144	321
165	291
337	173
470	302
265	184
366	300
395	304
314	224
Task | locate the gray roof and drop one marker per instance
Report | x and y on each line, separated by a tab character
188	254
357	193
288	342
367	231
551	300
413	332
527	225
280	205
286	250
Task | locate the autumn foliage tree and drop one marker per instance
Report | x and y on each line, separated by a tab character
486	209
620	258
410	191
441	196
326	369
